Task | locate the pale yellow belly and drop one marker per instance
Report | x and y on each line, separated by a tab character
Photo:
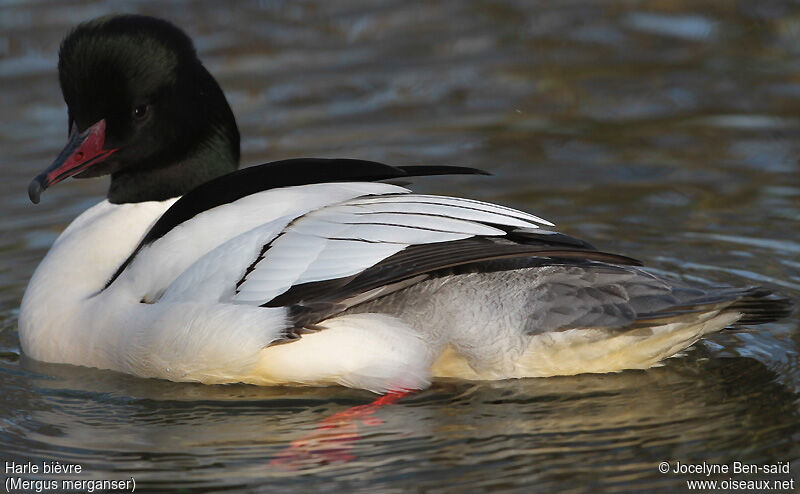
580	351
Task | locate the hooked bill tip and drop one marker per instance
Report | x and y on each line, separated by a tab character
35	190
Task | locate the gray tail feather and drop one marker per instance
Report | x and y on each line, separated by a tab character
760	306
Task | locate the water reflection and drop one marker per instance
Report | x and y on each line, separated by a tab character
616	427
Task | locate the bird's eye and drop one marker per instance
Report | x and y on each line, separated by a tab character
140	111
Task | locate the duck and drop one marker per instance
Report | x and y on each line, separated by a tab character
313	271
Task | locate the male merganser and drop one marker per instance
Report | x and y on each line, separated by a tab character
313	271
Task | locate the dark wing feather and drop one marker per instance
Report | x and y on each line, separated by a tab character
315	301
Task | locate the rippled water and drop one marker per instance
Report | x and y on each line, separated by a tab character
663	130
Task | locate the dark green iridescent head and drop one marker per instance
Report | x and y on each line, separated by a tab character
167	125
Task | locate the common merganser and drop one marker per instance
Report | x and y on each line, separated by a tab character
313	271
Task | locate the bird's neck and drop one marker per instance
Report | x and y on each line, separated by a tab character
162	181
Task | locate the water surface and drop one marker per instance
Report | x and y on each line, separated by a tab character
662	130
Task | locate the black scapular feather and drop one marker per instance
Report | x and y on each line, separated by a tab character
284	173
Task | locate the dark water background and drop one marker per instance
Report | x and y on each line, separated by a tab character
665	130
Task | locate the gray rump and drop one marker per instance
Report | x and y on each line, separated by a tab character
548	297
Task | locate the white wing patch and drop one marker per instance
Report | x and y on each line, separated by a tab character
344	239
175	254
458	207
